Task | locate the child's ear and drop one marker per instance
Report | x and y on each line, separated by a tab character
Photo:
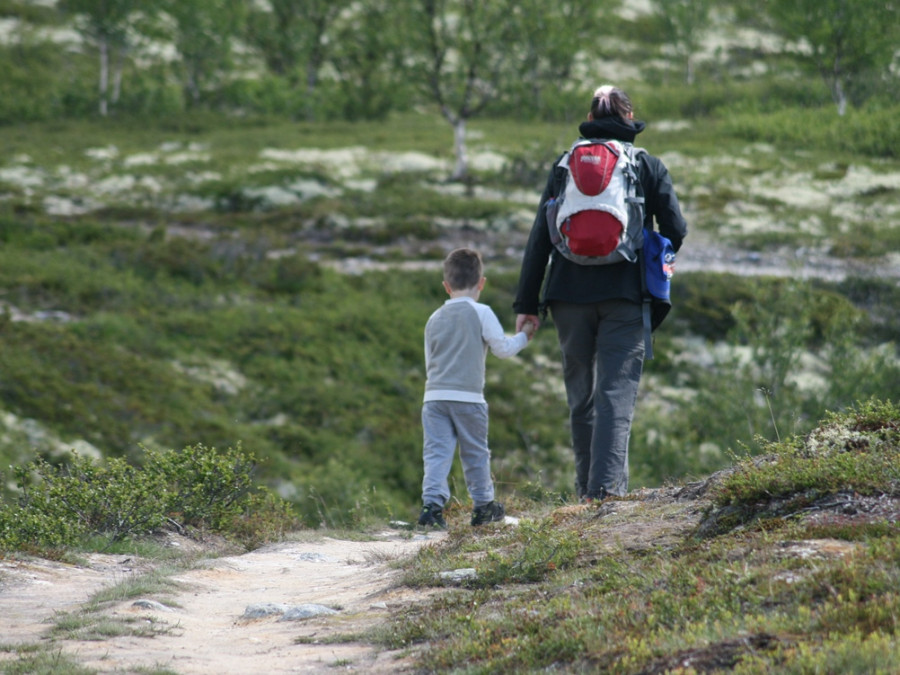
481	283
447	288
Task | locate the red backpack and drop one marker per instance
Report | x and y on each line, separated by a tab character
598	219
599	216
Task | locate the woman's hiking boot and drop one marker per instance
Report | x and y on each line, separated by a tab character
489	513
594	497
432	515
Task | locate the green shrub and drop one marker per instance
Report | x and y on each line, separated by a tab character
872	131
30	87
790	350
267	95
198	488
856	451
204	487
62	504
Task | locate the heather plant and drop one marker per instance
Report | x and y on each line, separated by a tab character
873	129
638	588
524	554
778	352
83	501
854	451
228	347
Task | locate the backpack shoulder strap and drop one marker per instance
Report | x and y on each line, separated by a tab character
634	152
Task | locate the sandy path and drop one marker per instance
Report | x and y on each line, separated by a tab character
204	631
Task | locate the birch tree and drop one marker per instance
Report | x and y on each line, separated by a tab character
684	23
846	40
293	37
204	31
464	55
366	56
460	56
549	40
105	23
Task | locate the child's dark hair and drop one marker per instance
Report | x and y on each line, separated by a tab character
463	269
610	101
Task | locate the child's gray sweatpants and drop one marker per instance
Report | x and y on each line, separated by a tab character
446	424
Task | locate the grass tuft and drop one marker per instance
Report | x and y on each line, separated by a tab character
781	583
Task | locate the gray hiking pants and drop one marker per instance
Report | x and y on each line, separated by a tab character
446	423
602	348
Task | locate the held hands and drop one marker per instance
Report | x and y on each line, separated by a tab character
528	329
528	324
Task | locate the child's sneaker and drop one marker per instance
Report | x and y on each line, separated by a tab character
432	515
489	513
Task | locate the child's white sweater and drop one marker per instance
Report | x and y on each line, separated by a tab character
457	337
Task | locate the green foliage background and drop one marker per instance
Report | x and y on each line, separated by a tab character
161	330
331	372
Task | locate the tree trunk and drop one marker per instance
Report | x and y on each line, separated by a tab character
840	97
312	81
117	76
459	147
104	75
192	87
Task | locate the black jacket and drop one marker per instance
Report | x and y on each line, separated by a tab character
571	282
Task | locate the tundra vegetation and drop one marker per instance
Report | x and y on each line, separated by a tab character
785	562
221	233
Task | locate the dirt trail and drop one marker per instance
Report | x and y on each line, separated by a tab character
202	629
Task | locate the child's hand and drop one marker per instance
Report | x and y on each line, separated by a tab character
528	328
523	320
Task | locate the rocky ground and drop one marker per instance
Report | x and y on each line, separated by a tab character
274	610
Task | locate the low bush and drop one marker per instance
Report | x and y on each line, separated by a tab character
627	586
872	130
856	451
198	488
30	89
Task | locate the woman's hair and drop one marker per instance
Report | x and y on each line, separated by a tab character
463	269
610	101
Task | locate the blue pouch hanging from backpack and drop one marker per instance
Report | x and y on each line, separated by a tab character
658	264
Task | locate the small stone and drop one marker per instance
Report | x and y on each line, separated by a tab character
315	557
460	575
151	604
401	525
262	610
306	611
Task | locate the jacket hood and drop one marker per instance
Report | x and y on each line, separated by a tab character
611	127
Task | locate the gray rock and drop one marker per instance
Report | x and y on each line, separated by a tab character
460	575
151	604
315	557
306	611
401	525
263	609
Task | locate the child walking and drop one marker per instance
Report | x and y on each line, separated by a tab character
457	337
